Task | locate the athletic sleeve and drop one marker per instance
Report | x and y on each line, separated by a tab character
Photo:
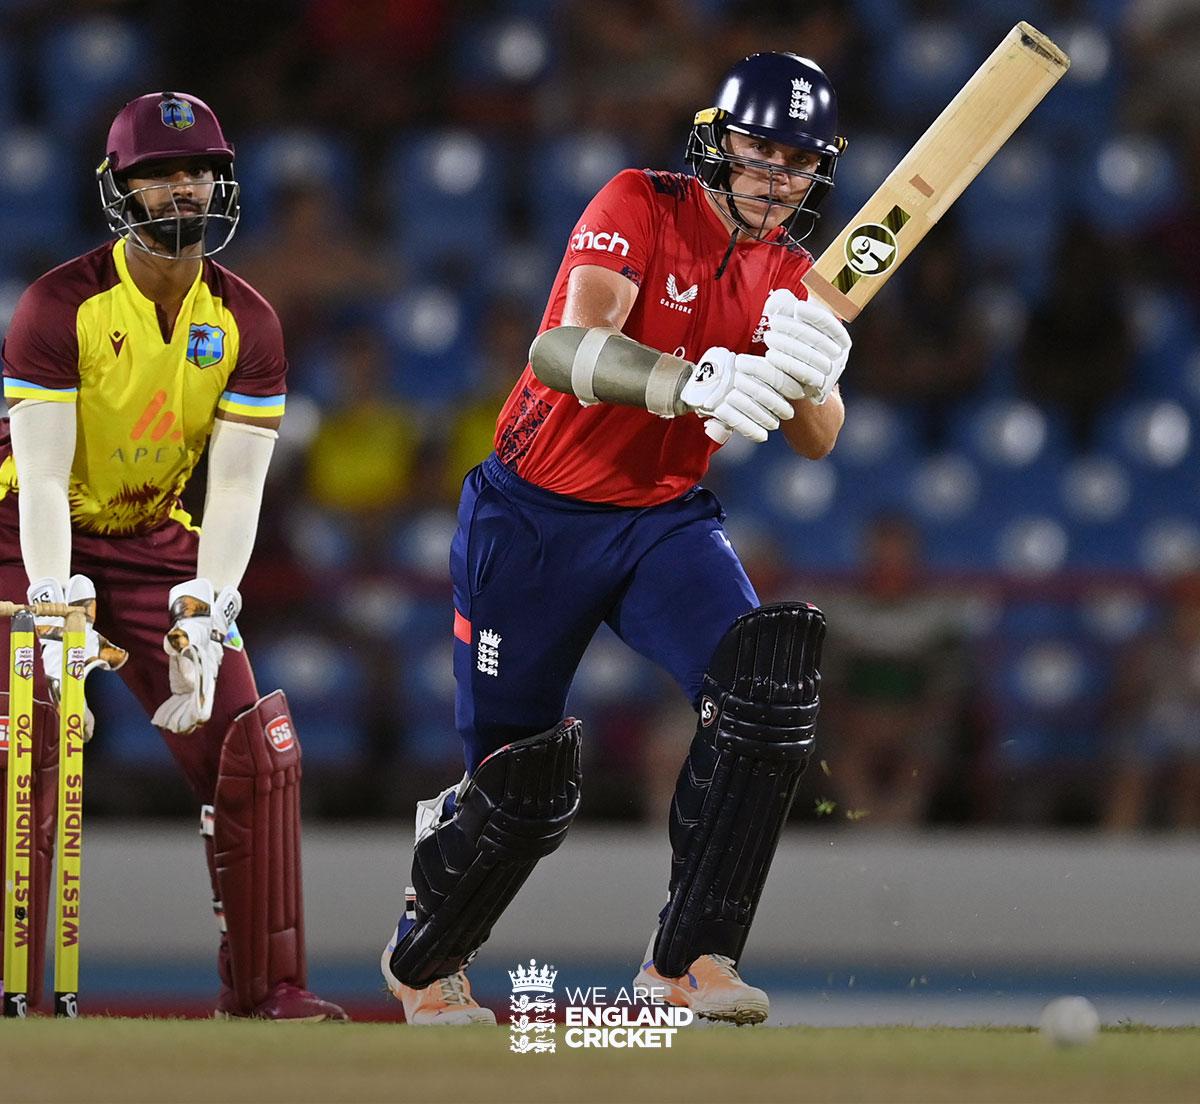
41	348
257	386
616	230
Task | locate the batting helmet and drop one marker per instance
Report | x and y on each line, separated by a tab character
780	97
164	126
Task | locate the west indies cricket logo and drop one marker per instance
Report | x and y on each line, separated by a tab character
206	345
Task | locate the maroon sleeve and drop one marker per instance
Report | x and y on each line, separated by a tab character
616	230
42	345
261	367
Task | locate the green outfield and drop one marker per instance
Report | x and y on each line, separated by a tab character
130	1061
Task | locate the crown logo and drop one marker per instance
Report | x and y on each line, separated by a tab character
533	980
488	638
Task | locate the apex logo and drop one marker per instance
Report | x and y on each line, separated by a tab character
677	299
118	341
608	242
279	732
163	425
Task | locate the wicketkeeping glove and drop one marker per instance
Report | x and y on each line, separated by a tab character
98	652
195	645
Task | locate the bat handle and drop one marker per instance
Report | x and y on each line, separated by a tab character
717	430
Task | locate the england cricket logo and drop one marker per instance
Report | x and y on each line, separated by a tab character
487	653
801	102
871	249
531	1009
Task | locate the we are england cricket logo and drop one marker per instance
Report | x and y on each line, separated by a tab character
638	1017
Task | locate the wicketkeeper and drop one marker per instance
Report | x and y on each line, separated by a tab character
120	367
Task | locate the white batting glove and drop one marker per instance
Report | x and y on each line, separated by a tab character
98	652
195	645
744	393
806	342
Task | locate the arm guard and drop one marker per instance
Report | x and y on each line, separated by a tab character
603	365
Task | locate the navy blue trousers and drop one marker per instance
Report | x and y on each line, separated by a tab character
536	573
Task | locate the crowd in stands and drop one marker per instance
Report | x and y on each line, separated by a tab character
1006	539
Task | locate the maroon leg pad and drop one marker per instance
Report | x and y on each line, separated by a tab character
45	813
256	851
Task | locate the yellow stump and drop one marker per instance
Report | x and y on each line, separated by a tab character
18	811
69	841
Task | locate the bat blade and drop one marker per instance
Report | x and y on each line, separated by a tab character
934	173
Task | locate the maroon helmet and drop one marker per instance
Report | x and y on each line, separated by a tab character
163	126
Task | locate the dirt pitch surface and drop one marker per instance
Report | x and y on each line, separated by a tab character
161	1061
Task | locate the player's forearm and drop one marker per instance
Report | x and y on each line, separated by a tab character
238	458
43	441
602	365
814	430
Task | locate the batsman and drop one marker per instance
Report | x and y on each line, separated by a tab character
120	368
677	316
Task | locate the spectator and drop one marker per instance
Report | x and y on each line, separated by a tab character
923	349
1076	351
364	457
895	677
1155	734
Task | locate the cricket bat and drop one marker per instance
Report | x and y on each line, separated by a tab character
932	175
935	172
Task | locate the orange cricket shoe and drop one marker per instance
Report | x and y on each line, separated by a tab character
711	988
447	1002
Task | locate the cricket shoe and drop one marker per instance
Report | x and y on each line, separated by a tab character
711	988
446	1002
286	1003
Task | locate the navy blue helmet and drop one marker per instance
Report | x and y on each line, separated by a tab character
781	97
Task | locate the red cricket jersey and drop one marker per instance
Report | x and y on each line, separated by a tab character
657	229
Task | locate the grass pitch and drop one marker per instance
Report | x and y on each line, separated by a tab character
160	1061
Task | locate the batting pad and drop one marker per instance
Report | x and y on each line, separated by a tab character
256	839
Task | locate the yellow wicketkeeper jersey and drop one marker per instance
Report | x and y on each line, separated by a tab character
145	398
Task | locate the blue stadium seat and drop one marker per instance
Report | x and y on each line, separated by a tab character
930	59
89	65
269	164
323	680
1088	92
1098	498
1153	436
869	159
612	674
36	212
507	49
424	692
1046	693
446	190
431	338
565	174
1011	212
124	733
1008	435
1167	339
1128	184
421	544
